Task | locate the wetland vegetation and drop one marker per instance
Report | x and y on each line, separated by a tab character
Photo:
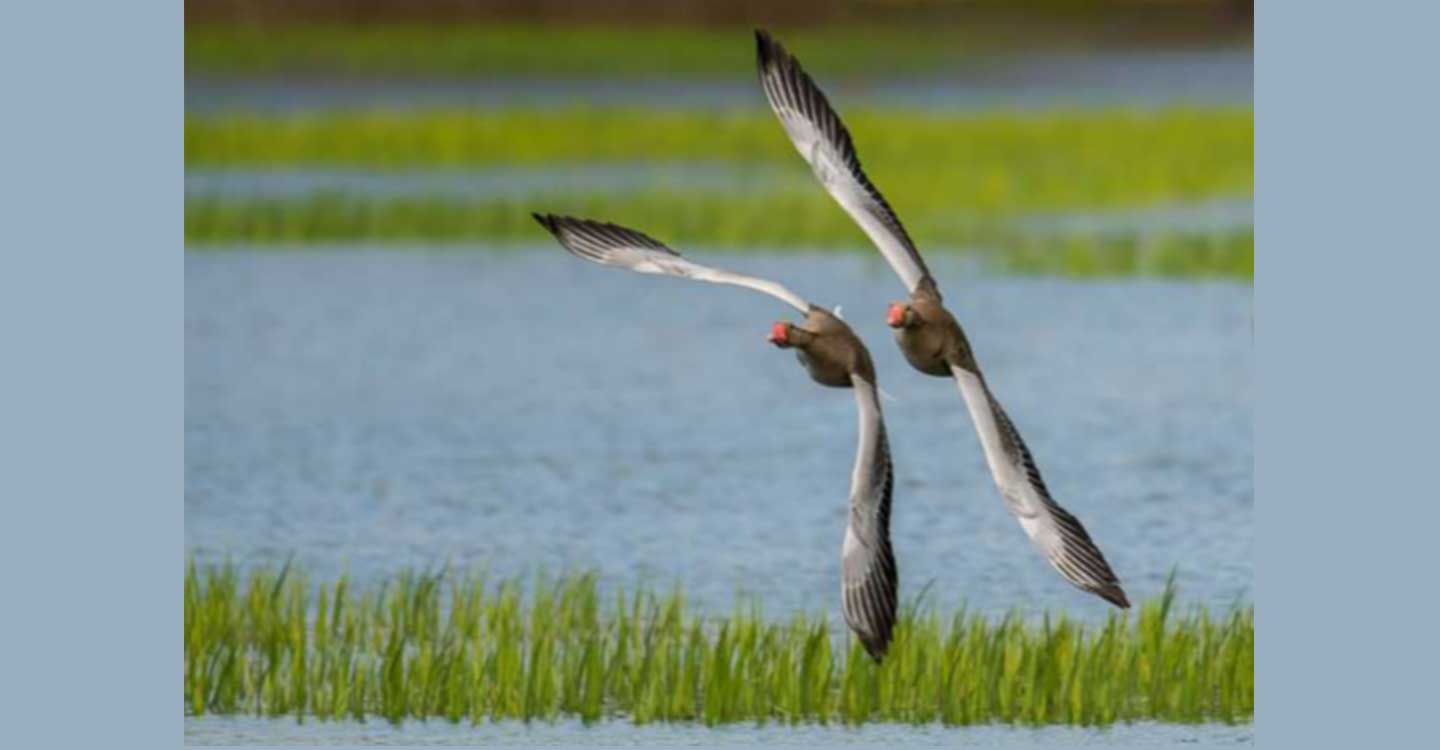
460	48
454	646
961	181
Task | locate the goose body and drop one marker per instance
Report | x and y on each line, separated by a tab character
926	332
833	356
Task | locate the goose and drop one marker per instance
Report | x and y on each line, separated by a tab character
833	356
927	334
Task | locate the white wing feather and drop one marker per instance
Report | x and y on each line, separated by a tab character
869	589
614	245
1053	530
824	142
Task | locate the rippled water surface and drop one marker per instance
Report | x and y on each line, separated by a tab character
1215	215
1207	75
294	183
524	411
285	731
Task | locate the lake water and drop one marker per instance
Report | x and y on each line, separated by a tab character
489	182
1215	216
286	731
519	411
1061	77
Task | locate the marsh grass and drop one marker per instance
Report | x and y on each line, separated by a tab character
924	161
1191	255
461	648
641	50
958	181
704	222
709	223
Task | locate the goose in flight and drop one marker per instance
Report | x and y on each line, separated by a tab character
834	356
926	332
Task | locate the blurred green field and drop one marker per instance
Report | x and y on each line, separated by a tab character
959	181
734	222
566	50
984	161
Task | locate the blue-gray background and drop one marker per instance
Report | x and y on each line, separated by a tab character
96	397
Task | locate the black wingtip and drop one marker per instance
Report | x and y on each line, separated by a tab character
1115	595
764	48
549	221
876	648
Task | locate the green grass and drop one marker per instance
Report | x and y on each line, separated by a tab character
982	162
570	50
469	48
707	221
453	647
957	180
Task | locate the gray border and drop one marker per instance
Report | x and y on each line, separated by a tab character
1345	163
93	380
1345	148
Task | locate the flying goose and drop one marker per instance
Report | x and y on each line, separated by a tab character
834	356
926	332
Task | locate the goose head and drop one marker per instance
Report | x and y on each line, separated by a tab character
824	345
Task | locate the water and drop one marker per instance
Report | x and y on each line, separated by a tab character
1213	75
524	411
1210	216
491	182
212	730
514	183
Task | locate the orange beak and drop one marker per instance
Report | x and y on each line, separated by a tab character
896	316
779	334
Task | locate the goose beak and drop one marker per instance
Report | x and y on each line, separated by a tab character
896	315
779	334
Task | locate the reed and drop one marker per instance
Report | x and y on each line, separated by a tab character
566	50
980	162
460	648
735	222
959	181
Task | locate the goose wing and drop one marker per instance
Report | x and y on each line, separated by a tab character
613	245
824	142
869	580
1057	534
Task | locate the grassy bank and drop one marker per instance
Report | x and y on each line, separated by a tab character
958	180
570	50
454	647
877	45
735	222
922	160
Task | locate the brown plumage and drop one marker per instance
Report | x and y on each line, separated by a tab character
833	356
828	349
928	335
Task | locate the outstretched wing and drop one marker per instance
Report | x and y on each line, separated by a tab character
869	581
824	142
1058	535
614	245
